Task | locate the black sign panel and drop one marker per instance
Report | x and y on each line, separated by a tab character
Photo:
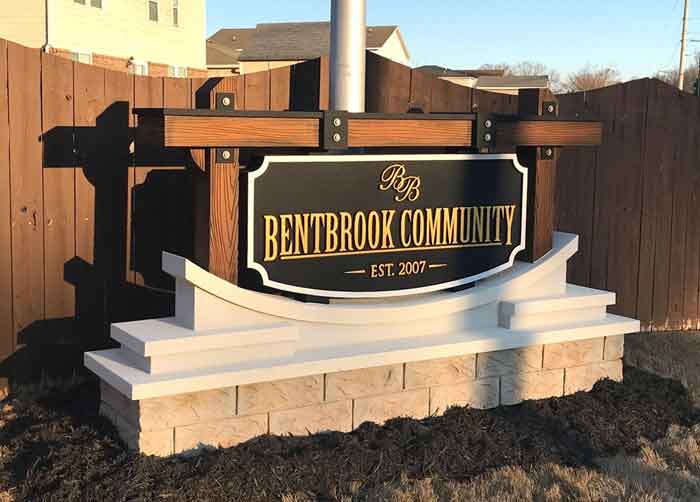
354	226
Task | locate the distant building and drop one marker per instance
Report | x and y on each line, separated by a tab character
273	45
146	37
488	80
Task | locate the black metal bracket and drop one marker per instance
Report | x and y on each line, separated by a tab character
225	156
485	132
225	101
335	130
550	109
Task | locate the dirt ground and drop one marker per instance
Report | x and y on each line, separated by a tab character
54	446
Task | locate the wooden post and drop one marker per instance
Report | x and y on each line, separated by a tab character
542	166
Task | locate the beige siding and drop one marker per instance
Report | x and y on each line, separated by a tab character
122	28
23	22
393	49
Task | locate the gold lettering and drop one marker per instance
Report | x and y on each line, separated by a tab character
510	213
498	210
405	219
407	187
374	232
301	233
449	232
316	219
433	221
488	224
331	233
478	225
285	237
345	231
360	229
465	224
270	238
387	218
418	228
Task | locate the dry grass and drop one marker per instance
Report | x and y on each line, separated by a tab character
665	471
672	354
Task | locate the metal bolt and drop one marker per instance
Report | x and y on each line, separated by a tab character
226	154
226	101
550	108
337	122
488	124
548	152
337	137
488	137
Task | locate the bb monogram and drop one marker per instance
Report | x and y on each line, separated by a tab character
394	178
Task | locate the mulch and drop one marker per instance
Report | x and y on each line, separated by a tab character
58	448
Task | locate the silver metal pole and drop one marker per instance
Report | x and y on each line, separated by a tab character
347	58
681	66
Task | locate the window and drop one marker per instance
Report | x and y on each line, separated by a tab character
81	2
153	10
137	67
177	71
81	56
96	3
176	12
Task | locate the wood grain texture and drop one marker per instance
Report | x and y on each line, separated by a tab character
549	133
26	185
575	191
207	132
59	183
541	182
691	276
279	89
387	86
382	132
148	93
223	200
257	91
421	91
6	328
89	105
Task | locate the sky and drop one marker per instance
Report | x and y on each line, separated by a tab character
639	37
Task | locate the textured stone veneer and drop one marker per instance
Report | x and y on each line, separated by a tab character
342	401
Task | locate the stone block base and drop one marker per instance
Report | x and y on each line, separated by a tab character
342	401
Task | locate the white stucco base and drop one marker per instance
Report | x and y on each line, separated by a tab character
223	336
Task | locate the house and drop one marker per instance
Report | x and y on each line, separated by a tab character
489	80
273	45
145	37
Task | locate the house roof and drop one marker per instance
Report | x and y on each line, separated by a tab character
282	42
441	71
226	45
513	82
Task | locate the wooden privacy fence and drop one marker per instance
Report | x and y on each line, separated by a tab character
84	215
635	201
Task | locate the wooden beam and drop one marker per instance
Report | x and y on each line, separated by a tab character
549	133
217	131
541	178
409	133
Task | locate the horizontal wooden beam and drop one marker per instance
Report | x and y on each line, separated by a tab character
218	131
409	133
549	133
213	129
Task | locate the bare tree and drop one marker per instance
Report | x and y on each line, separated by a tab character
691	74
591	77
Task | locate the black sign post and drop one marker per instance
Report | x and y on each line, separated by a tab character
362	226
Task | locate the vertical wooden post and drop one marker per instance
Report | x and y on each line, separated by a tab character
542	166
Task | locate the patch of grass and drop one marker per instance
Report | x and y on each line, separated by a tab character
667	470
